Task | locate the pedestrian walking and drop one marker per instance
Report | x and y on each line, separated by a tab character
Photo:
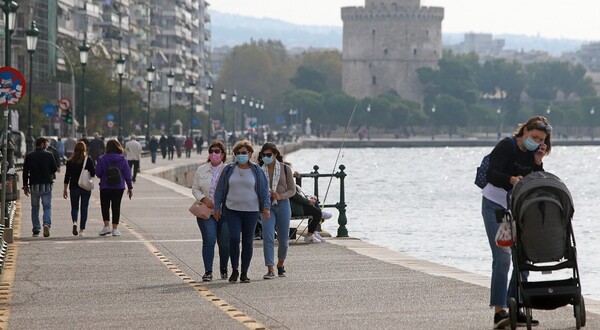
133	154
77	193
39	168
153	147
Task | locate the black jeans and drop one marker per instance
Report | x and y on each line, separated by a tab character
317	215
134	166
110	199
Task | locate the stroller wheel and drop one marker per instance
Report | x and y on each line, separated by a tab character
529	317
582	312
577	309
513	311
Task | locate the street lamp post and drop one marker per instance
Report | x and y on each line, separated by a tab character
251	104
10	18
223	98
242	124
120	71
368	118
432	123
170	82
592	110
192	90
258	131
32	39
499	133
209	91
149	78
233	100
84	50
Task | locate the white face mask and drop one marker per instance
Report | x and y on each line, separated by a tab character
530	144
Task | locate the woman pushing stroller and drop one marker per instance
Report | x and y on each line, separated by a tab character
510	160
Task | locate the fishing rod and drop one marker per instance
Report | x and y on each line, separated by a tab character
339	152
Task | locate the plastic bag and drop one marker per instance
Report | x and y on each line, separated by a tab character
504	236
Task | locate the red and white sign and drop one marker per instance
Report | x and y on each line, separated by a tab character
64	103
110	124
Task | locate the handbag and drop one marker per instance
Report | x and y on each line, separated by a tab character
200	210
85	178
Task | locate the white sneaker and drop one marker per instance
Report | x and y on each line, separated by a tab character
116	232
311	239
105	231
81	233
318	236
326	215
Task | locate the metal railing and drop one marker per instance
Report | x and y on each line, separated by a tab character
341	204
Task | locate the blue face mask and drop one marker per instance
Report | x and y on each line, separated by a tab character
267	160
530	144
241	159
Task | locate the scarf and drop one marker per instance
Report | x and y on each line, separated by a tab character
276	176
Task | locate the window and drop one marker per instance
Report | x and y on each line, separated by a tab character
374	80
415	52
385	51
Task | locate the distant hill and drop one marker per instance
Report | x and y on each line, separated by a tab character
231	30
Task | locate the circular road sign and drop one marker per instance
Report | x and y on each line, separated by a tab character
49	110
12	86
110	124
64	103
110	117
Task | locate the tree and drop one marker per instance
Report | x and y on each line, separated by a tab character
309	78
452	112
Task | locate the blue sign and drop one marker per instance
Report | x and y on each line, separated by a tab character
49	109
195	122
110	117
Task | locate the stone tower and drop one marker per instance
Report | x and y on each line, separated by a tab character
385	42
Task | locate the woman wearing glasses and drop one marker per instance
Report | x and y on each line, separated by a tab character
281	187
213	231
513	158
241	194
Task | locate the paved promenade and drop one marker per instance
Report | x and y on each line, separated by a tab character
147	278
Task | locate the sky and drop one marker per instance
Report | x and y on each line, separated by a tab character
576	19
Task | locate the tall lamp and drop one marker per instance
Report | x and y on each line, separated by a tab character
251	104
233	100
192	90
242	124
149	78
84	50
120	71
209	91
10	18
32	39
223	99
170	82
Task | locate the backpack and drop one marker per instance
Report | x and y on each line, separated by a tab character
113	176
481	175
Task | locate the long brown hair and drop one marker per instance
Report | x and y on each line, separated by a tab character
79	153
114	146
539	123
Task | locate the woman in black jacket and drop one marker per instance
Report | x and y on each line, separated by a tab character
74	168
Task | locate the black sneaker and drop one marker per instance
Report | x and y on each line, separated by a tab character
244	278
223	274
46	231
234	276
501	320
522	320
269	275
75	232
207	277
281	271
36	234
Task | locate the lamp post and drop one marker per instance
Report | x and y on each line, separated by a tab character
251	104
32	39
432	123
499	133
170	82
233	100
592	110
120	71
84	50
192	90
223	98
149	78
10	18
242	124
258	132
209	90
368	118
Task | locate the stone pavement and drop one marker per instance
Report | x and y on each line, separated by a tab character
146	278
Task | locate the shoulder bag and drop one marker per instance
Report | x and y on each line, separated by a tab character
85	178
200	210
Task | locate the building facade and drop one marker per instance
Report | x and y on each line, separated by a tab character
385	42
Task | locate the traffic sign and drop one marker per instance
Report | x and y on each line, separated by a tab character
12	86
49	109
64	103
110	117
110	124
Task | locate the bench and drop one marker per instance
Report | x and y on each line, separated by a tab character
294	227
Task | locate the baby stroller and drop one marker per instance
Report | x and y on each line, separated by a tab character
542	208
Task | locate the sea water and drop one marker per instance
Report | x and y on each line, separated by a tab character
423	202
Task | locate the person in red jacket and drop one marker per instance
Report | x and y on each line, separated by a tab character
188	144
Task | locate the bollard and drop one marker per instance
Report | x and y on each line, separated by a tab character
341	205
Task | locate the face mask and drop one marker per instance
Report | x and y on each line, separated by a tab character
215	158
530	144
267	160
241	159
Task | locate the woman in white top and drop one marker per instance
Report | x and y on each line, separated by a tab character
213	231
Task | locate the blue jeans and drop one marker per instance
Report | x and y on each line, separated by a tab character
501	258
153	156
214	231
280	220
45	195
78	193
244	223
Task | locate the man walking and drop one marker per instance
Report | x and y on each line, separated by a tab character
133	154
153	147
69	145
38	172
96	146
